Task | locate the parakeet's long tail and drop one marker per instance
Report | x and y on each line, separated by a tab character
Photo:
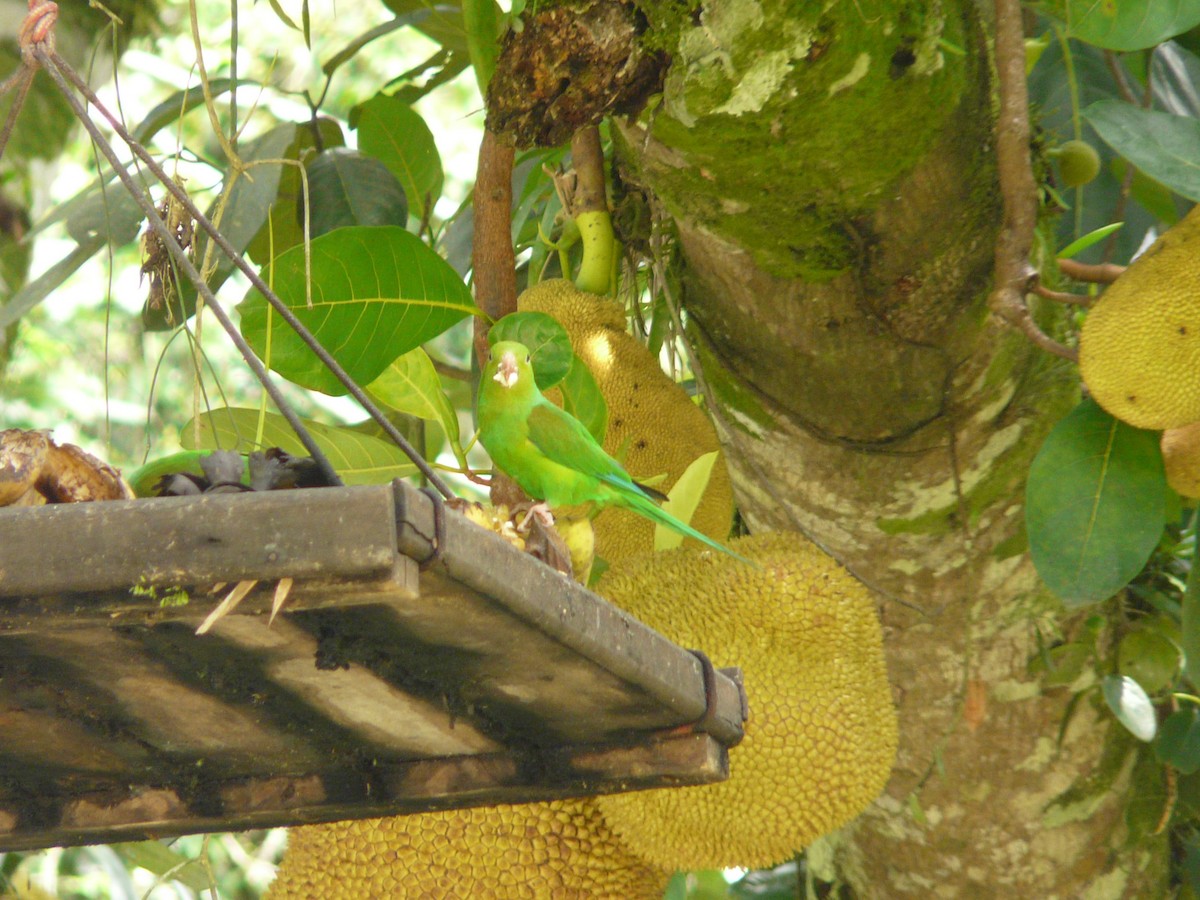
648	508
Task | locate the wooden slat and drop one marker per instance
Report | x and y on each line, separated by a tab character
554	606
75	547
236	804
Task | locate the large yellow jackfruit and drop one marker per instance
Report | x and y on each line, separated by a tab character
651	420
822	733
1181	459
1139	350
560	850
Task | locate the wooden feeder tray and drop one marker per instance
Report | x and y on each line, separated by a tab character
383	687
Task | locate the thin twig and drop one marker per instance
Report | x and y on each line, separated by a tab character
1098	273
1014	275
62	72
1061	296
50	63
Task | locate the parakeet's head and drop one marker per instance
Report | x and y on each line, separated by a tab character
509	365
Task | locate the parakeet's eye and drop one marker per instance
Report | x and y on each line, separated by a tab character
528	357
489	356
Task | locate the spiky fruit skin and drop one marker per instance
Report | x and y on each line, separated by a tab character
822	733
651	420
558	851
1139	350
1181	459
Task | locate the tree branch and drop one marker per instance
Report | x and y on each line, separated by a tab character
1015	276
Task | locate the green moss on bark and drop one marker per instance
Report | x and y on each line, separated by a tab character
835	106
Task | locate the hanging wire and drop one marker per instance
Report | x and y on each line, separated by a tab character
64	76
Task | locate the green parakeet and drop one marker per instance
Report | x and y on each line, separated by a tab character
549	452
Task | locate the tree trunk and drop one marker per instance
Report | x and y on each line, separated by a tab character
830	177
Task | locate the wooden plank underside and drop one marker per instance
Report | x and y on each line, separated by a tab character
145	811
379	689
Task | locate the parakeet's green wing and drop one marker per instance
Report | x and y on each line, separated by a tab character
566	441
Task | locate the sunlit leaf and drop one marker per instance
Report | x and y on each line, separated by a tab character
1131	706
684	498
1163	146
348	188
546	340
396	135
1092	237
358	458
377	293
1095	504
411	385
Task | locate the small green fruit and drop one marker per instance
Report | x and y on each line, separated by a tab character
1078	163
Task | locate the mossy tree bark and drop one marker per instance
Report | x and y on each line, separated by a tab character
831	179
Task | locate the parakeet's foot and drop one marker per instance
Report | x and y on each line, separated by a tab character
543	514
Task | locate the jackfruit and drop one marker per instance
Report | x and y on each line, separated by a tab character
822	733
1139	350
1181	459
653	426
560	849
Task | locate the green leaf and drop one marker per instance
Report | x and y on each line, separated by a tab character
1125	24
377	292
160	859
582	398
1189	615
1131	706
246	210
358	458
547	341
684	498
1092	237
1160	144
395	134
179	103
348	188
411	385
1094	504
285	225
1178	743
1149	658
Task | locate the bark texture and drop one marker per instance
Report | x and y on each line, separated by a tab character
865	397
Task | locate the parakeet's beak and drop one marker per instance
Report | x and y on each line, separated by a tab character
506	373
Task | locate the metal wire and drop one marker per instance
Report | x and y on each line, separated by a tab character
61	71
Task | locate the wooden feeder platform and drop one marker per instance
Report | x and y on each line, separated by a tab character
382	688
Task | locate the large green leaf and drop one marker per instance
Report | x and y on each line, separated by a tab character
582	398
285	226
1165	147
546	340
358	458
347	188
1125	24
411	385
377	292
1095	504
395	134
